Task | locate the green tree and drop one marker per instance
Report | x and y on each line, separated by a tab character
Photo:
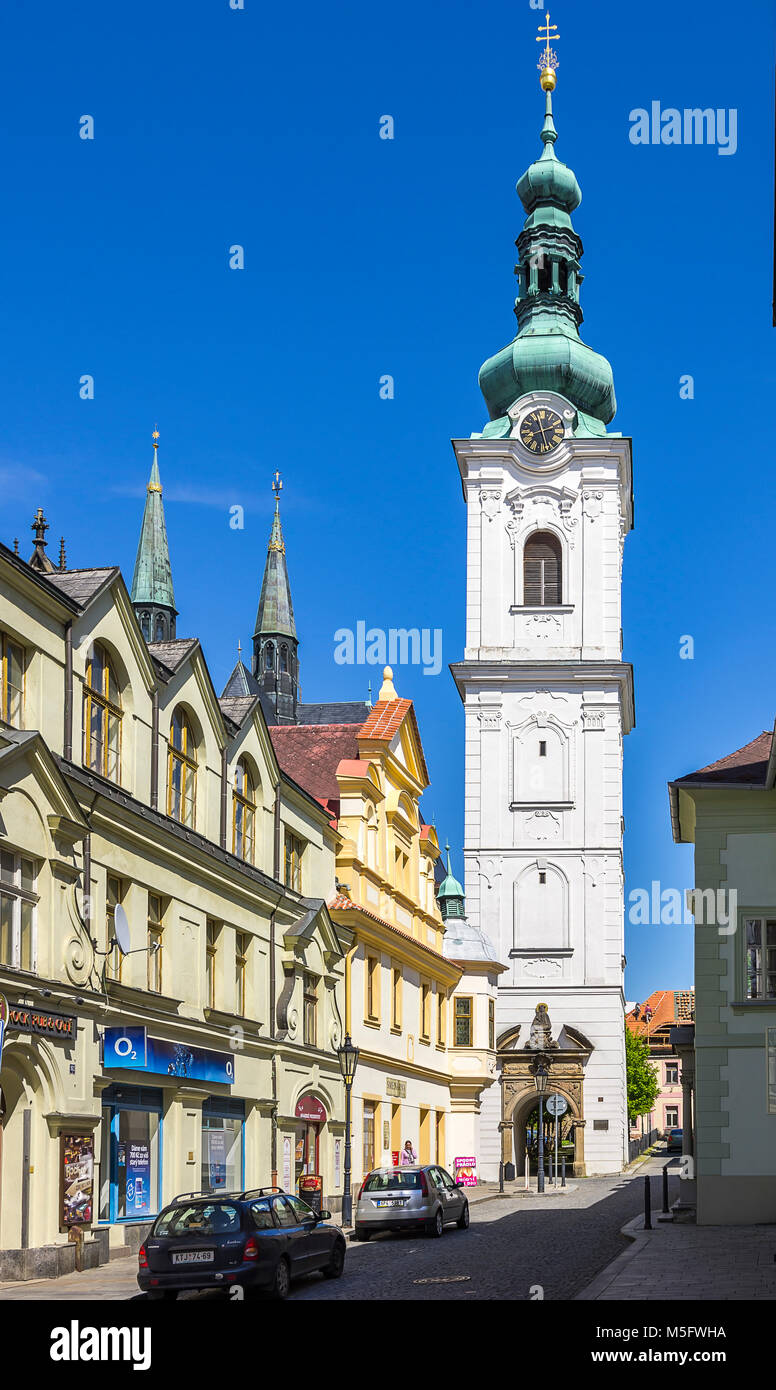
643	1083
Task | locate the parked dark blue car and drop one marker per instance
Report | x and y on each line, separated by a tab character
261	1239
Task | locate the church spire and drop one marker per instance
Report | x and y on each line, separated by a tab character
275	644
450	896
548	354
152	594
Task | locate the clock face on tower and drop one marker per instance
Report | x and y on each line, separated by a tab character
542	430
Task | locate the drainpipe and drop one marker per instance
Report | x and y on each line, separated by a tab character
276	848
155	751
272	975
68	731
26	1128
274	1123
87	888
224	764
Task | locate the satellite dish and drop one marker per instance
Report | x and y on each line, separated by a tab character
121	929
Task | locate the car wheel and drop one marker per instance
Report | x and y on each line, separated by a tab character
463	1220
336	1265
436	1226
281	1284
361	1234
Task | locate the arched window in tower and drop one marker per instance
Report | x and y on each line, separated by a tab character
102	715
542	571
182	774
243	812
269	657
284	657
145	626
159	629
544	279
563	277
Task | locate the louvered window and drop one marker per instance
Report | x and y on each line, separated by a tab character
542	571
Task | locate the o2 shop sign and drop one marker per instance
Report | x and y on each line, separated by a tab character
133	1050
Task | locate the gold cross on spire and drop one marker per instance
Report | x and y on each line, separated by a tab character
155	436
277	486
549	60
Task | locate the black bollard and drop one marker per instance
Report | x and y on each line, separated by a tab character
501	1176
665	1190
563	1171
647	1206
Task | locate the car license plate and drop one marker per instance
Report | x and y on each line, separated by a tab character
391	1202
193	1257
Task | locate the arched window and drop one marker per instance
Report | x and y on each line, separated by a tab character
542	571
159	630
269	656
182	775
102	716
243	812
145	626
284	657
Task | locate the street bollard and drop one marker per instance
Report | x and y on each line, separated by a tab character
563	1170
501	1176
665	1190
647	1206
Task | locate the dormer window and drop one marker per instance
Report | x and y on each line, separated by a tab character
182	774
102	716
542	571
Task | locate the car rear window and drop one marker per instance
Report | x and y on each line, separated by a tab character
391	1182
198	1219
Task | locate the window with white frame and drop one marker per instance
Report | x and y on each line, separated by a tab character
18	901
672	1116
760	957
672	1074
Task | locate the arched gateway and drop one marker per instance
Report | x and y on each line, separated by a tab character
566	1060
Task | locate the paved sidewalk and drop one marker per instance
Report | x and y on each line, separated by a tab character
682	1261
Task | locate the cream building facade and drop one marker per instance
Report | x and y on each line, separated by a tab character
206	1056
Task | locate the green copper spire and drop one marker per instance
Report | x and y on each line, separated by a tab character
152	593
275	661
275	614
548	354
450	896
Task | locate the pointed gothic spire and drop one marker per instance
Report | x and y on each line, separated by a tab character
275	645
152	592
39	560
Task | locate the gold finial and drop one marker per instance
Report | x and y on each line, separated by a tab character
155	436
549	60
277	487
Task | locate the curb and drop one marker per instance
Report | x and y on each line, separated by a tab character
634	1231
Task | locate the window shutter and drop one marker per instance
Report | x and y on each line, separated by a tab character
541	572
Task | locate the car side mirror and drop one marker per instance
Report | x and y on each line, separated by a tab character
459	1182
323	1216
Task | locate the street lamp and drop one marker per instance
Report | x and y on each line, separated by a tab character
347	1056
540	1072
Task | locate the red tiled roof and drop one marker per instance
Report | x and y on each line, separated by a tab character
748	764
385	720
342	903
311	754
667	1005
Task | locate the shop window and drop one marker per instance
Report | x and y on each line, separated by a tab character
242	943
425	1011
18	910
294	853
223	1149
370	1111
760	958
182	771
102	716
243	812
154	943
114	959
310	995
212	933
464	1024
130	1172
11	681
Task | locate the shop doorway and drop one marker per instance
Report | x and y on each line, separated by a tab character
130	1152
311	1117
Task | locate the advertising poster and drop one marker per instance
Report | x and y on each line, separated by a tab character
465	1171
337	1162
132	1049
287	1164
77	1179
216	1144
138	1176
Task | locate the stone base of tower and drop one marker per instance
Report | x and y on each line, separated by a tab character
586	1068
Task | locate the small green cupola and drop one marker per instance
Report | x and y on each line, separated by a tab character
451	895
548	354
152	595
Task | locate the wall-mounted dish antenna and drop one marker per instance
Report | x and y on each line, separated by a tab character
121	929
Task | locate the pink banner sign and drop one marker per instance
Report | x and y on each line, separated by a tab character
465	1171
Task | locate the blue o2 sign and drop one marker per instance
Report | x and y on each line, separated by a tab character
133	1050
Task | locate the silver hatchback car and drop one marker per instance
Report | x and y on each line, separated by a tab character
410	1199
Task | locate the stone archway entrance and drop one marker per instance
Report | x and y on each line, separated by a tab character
567	1061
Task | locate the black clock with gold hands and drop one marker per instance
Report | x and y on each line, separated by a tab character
542	430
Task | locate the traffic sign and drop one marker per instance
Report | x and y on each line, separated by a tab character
556	1104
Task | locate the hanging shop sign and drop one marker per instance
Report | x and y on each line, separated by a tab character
77	1179
465	1171
133	1050
309	1108
42	1022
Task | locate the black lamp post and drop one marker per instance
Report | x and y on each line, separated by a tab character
348	1060
540	1071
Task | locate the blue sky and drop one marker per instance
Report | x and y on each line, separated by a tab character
215	127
